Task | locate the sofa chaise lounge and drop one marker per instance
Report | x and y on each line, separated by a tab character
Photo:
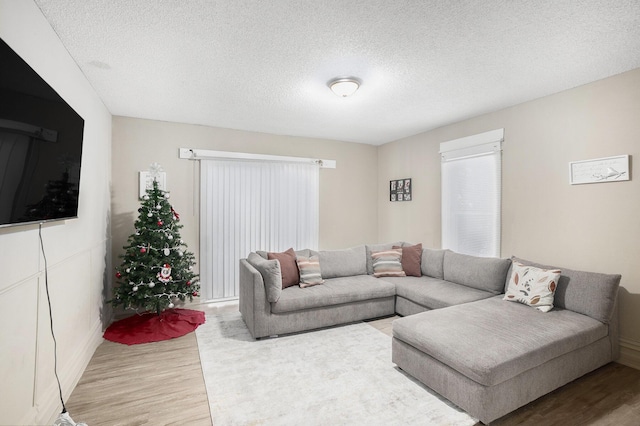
458	336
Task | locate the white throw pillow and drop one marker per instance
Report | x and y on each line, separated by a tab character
387	263
532	286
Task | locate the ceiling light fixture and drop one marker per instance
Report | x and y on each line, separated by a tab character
344	87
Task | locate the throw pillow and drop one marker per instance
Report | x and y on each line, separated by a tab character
270	271
288	267
309	271
411	259
532	286
387	263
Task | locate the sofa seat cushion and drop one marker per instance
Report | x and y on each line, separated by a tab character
334	291
433	293
493	340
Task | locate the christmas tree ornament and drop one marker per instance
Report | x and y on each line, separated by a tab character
167	251
145	197
160	223
128	270
165	273
135	288
143	250
166	195
118	275
188	283
152	284
171	305
149	214
170	237
180	254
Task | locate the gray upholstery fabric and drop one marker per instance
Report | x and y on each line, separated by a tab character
309	319
484	273
334	291
406	307
343	263
377	247
303	253
270	271
433	263
488	403
589	293
433	293
488	345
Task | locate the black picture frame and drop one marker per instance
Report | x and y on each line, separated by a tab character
400	190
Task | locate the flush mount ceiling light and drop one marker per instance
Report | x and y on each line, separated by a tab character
344	87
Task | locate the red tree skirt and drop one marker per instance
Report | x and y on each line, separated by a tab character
151	327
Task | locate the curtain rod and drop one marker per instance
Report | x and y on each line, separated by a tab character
205	154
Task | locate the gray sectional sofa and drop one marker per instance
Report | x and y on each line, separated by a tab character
457	335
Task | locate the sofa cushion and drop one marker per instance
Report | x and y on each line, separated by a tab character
387	263
377	247
335	291
483	273
589	293
343	263
310	273
483	340
432	263
271	276
532	286
411	259
433	293
288	267
303	252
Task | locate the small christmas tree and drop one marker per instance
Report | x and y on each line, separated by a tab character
156	269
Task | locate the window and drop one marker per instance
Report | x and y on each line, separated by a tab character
471	194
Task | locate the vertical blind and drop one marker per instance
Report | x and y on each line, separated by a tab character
252	205
471	194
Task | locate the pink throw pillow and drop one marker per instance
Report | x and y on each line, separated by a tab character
411	259
288	267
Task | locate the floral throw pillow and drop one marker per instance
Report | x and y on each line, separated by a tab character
532	286
387	263
309	271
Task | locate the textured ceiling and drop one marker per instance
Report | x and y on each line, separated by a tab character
264	65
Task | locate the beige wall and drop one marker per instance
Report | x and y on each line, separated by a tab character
77	250
347	194
593	227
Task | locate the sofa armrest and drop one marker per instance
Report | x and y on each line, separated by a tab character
253	304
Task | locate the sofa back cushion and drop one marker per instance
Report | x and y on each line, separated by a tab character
377	247
483	273
432	263
588	293
271	276
343	263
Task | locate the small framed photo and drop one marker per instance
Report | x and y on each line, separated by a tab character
400	190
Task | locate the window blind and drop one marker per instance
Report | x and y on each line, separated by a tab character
471	194
252	205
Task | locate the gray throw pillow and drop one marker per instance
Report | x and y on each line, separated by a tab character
270	271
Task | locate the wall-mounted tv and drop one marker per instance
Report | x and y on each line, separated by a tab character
40	147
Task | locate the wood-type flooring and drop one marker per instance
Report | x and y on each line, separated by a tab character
162	384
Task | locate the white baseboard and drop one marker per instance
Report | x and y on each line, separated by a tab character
49	408
630	353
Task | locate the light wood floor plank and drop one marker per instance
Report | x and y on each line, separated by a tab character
162	384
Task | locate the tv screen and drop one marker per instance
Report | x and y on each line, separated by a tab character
40	147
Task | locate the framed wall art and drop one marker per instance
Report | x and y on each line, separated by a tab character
609	169
400	190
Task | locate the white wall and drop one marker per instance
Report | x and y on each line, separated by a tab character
77	250
592	227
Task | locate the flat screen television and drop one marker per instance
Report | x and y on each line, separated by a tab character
40	147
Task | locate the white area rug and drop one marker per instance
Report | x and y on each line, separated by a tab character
336	376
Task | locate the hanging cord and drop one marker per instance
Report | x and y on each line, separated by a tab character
55	344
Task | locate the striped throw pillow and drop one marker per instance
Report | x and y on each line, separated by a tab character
387	263
309	268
